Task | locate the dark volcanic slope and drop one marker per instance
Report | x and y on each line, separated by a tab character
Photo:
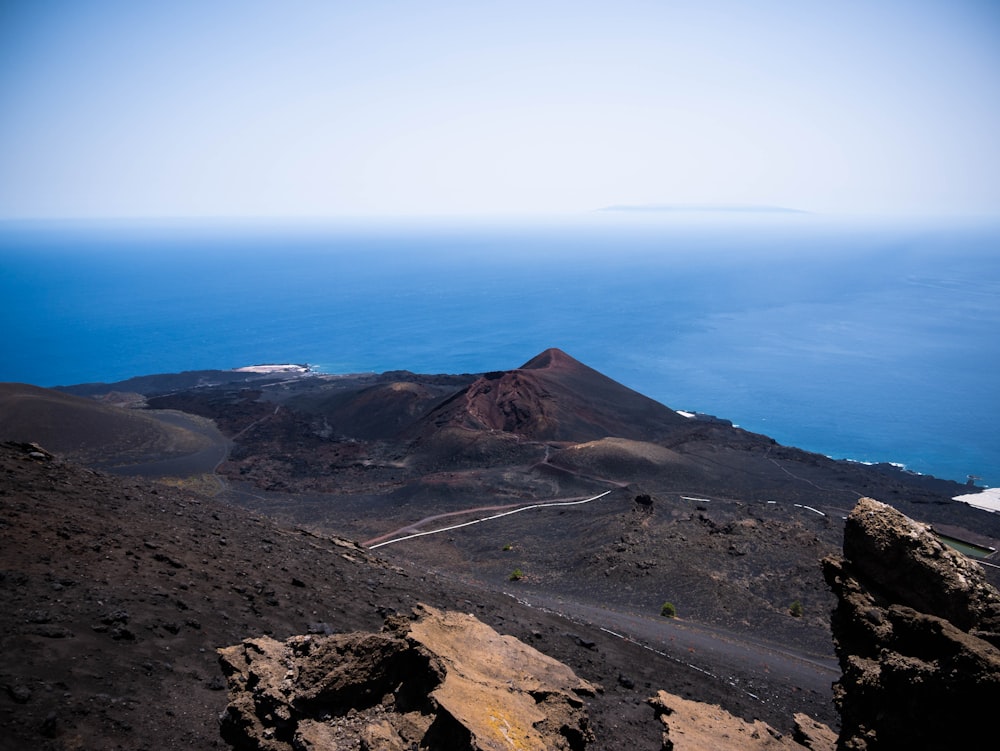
117	593
732	529
383	410
726	524
554	397
90	431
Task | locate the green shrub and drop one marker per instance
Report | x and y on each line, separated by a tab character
667	610
795	609
508	547
516	575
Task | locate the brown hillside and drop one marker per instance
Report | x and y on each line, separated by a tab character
554	397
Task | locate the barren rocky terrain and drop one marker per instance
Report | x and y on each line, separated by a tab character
572	509
118	591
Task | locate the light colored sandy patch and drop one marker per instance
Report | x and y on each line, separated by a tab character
988	499
624	448
412	388
272	369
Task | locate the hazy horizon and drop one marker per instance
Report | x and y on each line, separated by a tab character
320	109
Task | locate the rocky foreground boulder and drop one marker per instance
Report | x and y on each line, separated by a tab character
699	726
442	680
917	632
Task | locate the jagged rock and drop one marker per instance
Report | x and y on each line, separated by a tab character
916	628
812	734
441	681
697	726
32	450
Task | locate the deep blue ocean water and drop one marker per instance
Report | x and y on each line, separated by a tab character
861	340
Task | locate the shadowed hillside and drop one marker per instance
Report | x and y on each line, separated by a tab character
96	433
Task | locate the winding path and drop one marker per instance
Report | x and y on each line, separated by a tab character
519	509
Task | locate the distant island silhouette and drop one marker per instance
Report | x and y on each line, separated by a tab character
702	207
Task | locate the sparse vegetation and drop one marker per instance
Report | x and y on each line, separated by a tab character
668	610
795	609
508	547
516	575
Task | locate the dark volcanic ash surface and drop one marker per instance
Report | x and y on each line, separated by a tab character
117	593
731	530
119	590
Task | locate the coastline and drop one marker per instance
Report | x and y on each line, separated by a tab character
842	359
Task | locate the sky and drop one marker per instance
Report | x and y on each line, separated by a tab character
160	108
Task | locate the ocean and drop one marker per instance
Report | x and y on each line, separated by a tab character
864	340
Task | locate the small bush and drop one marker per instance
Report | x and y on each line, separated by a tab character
508	547
516	575
795	609
667	610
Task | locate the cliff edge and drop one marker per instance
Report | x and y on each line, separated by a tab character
917	631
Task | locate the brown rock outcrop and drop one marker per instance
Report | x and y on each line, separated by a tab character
916	630
442	681
697	726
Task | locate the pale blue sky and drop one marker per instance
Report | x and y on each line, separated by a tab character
326	108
